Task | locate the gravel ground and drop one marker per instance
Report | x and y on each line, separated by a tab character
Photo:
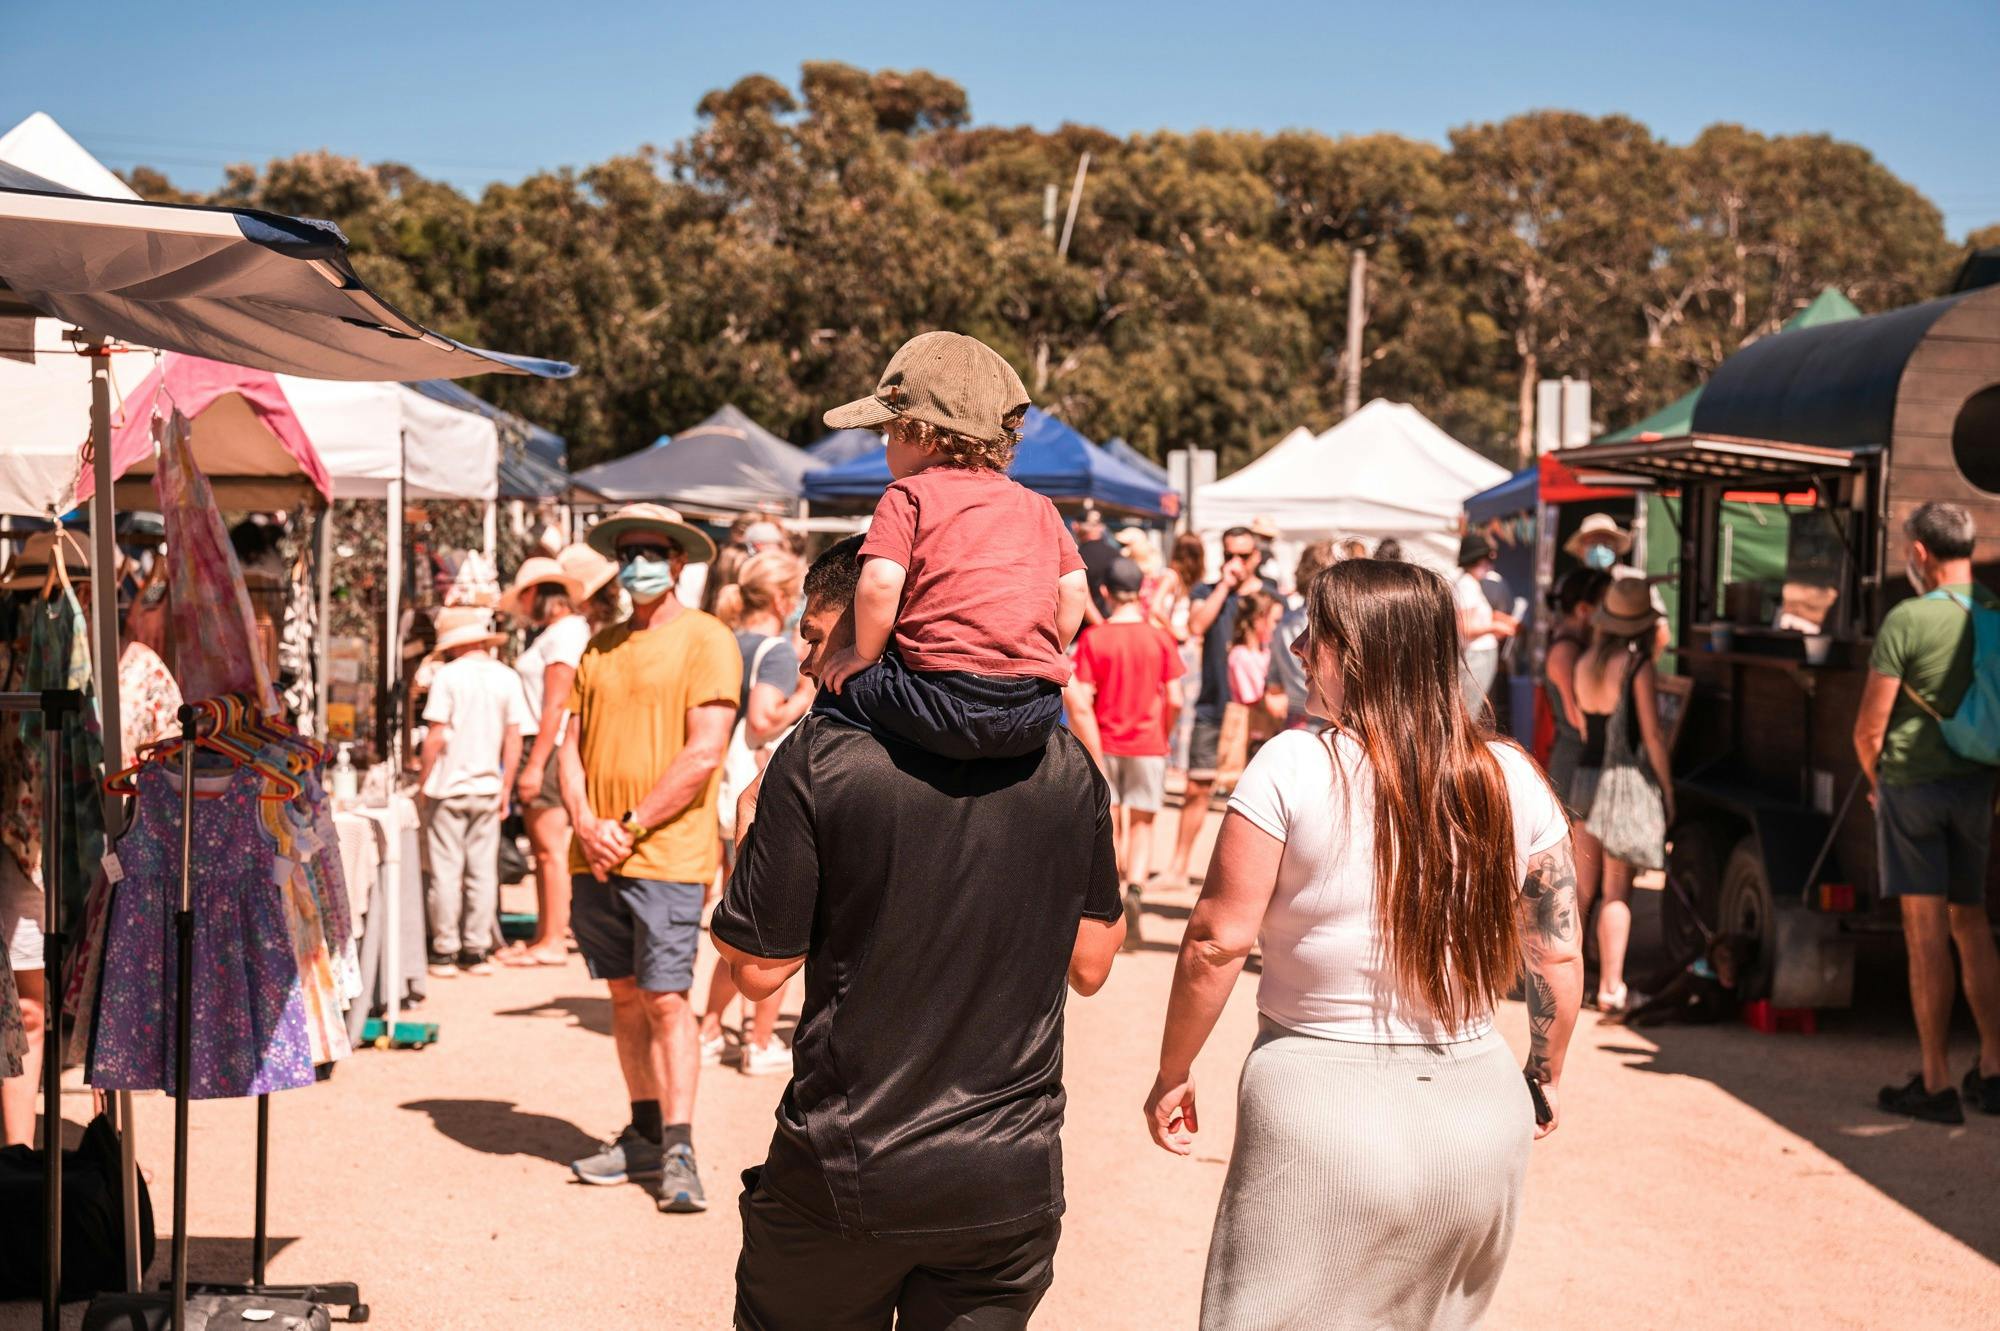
1710	1177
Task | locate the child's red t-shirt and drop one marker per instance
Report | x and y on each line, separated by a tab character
983	555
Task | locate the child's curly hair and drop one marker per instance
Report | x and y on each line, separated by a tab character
958	450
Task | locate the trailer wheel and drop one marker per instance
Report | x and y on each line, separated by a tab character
1747	907
1693	888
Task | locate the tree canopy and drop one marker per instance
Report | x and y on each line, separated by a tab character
778	255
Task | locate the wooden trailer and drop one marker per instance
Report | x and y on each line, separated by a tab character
1854	425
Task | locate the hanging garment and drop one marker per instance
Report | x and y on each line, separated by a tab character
59	658
216	645
298	655
13	1036
298	845
148	698
249	1034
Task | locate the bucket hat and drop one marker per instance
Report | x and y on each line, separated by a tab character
590	569
949	380
1598	525
536	571
465	626
655	518
1474	549
1627	609
31	566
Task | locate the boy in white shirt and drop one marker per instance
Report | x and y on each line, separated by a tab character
475	715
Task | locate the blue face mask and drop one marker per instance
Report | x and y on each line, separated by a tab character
1600	557
647	579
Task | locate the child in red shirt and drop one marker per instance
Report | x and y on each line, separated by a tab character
971	589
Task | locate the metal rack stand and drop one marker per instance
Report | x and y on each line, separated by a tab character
53	704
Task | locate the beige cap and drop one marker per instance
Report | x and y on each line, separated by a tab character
952	381
590	569
465	626
536	571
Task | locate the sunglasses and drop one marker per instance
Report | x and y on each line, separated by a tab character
658	553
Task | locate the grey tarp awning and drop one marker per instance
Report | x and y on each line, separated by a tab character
728	463
232	284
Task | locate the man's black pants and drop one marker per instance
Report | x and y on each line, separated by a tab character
796	1276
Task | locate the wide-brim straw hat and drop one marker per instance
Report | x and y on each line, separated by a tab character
1266	528
1598	525
465	626
590	569
1627	609
30	568
656	518
537	571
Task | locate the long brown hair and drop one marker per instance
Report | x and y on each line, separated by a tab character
1189	560
1251	607
1446	889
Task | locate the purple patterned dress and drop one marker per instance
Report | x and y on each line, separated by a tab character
249	1033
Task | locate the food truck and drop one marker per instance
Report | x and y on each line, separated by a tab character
1850	426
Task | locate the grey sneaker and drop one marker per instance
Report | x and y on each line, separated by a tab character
680	1182
631	1156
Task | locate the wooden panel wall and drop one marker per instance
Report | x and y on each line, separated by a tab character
1958	357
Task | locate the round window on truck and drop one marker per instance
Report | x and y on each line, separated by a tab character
1975	439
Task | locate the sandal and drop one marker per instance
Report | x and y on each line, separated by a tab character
1614	1003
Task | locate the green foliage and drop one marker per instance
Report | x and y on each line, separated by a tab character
778	255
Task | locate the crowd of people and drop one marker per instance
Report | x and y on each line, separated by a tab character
934	756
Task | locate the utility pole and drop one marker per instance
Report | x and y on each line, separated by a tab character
1062	251
1357	318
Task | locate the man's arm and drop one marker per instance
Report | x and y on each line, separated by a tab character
1081	701
1173	717
708	727
605	844
1553	979
1204	612
510	758
1871	722
1097	944
434	741
762	927
760	977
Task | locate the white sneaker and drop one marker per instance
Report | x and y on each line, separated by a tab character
715	1051
769	1060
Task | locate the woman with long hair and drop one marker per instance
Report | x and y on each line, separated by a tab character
1173	598
775	695
1574	604
1402	869
1617	671
564	600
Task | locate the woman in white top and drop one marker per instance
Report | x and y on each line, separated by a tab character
1401	870
566	599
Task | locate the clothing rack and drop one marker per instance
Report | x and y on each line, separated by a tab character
53	704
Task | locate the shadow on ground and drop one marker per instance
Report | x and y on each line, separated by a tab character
496	1127
586	1011
210	1259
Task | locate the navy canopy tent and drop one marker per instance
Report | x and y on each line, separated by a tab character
1136	460
728	463
1517	494
1053	460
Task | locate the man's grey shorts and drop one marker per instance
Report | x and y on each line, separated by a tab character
1931	839
1140	784
637	929
1202	746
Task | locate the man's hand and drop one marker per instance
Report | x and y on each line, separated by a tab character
1555	1111
842	666
528	787
1170	1115
606	845
1234	573
501	803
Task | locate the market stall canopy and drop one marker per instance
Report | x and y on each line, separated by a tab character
369	434
1137	461
1676	419
844	446
728	463
1519	493
534	462
1384	471
233	284
253	448
45	413
1052	459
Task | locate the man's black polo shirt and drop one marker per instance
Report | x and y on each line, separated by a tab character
936	904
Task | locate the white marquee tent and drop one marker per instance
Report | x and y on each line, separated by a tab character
1384	471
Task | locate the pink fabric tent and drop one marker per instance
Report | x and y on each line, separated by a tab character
247	439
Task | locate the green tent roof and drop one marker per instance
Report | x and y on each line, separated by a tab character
1674	420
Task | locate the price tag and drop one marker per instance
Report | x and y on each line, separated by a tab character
113	870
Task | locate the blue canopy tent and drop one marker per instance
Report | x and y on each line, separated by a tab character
1139	462
1053	460
844	446
1516	494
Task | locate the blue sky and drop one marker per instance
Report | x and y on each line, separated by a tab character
477	92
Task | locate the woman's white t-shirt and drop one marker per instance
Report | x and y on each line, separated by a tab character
1325	973
561	643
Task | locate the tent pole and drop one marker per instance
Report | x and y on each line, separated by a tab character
490	532
392	661
104	609
323	647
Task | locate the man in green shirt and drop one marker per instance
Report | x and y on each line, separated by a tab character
1934	811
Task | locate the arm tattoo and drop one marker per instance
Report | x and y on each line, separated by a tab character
1548	923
